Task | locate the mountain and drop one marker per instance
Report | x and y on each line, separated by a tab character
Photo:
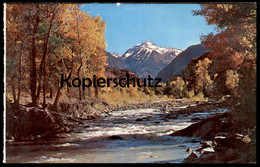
148	58
176	67
120	73
115	62
116	55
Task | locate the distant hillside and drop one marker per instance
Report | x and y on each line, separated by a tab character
114	61
119	73
176	67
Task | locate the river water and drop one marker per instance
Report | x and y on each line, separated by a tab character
145	141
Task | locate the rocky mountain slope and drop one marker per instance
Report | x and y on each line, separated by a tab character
176	67
114	60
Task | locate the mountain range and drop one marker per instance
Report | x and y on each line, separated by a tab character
160	62
147	58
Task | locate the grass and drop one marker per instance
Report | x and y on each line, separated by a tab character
198	97
126	95
112	96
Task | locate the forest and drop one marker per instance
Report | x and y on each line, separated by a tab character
44	41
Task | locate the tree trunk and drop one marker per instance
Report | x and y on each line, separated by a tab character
14	94
33	75
45	49
51	92
96	91
44	86
19	92
80	98
57	98
68	90
83	94
20	77
89	91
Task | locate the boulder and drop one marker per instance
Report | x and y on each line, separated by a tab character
207	150
199	149
26	123
146	118
194	141
191	157
115	137
189	150
171	116
229	155
67	129
220	149
206	128
226	155
232	141
207	157
138	119
206	144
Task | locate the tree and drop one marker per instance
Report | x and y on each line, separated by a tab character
87	43
178	87
232	79
235	44
203	79
15	40
234	47
175	87
21	29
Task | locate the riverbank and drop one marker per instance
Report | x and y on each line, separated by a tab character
223	141
31	123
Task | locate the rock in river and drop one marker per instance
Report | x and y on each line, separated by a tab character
189	150
191	157
138	119
115	137
204	129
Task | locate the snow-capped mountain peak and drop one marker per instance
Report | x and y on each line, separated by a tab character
150	47
148	58
116	55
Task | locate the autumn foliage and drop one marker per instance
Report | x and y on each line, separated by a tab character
45	40
229	67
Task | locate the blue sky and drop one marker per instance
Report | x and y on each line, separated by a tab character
169	25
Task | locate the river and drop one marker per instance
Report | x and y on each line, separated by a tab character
145	141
